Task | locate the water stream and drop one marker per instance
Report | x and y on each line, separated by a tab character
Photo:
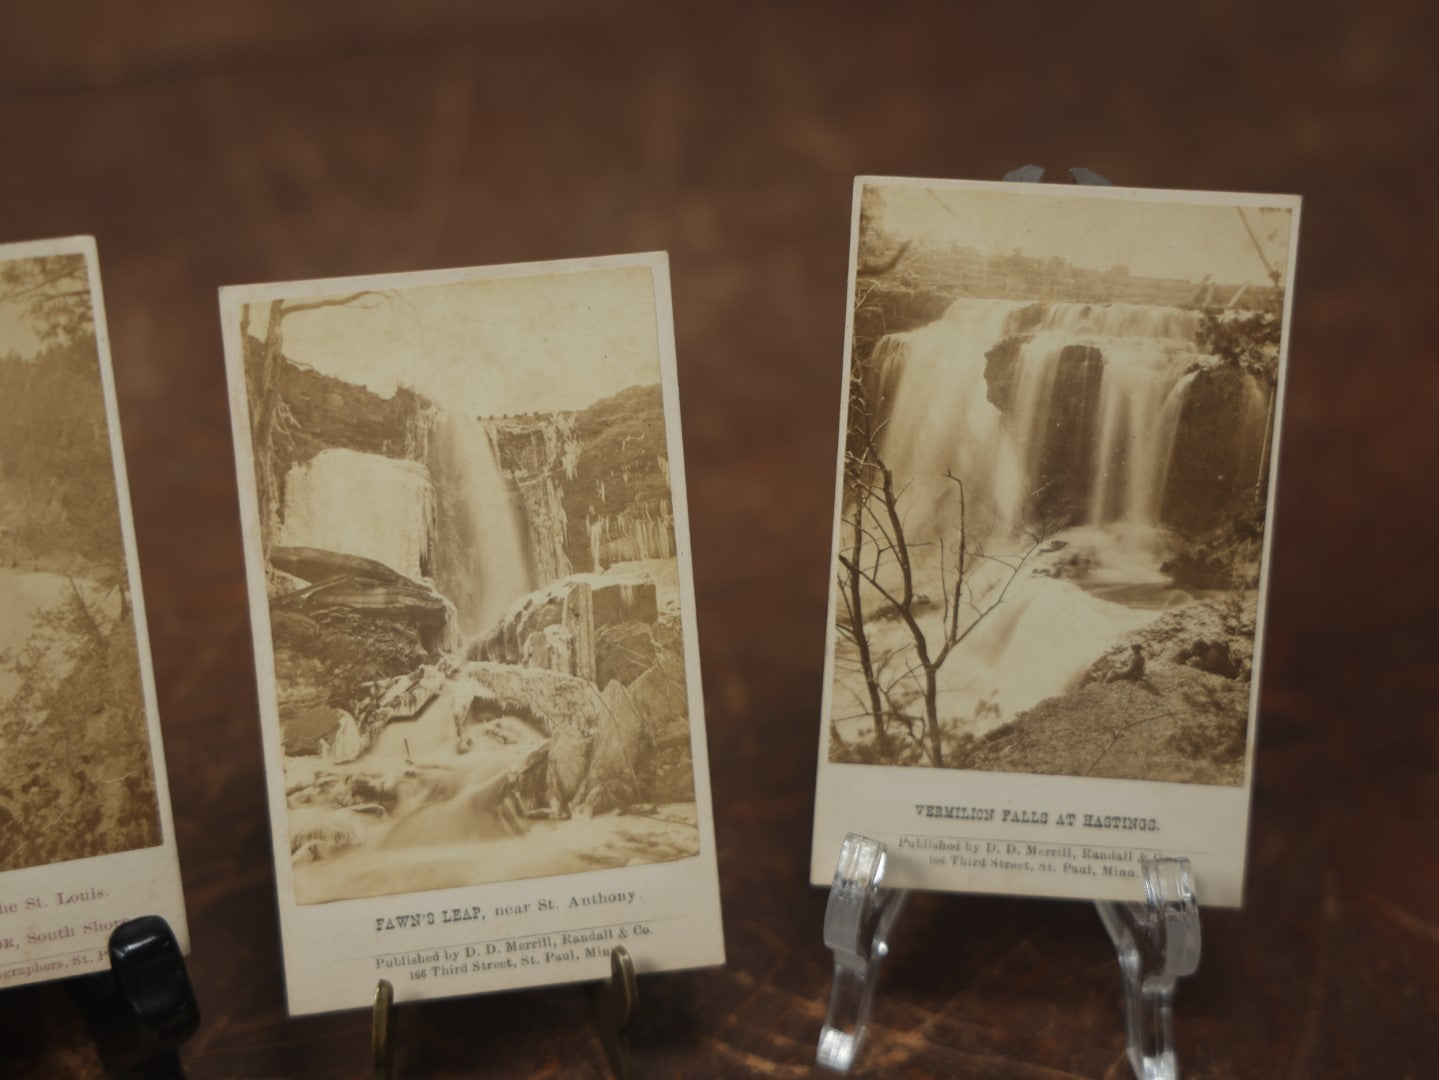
1092	394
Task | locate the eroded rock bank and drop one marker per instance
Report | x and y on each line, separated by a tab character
484	749
620	632
1184	718
1212	448
594	484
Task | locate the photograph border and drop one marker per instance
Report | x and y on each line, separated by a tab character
141	881
862	798
331	950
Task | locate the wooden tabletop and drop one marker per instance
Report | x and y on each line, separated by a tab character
215	144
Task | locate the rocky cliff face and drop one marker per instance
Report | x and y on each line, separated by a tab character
320	412
594	484
1199	655
619	632
595	490
532	453
350	567
1218	447
1219	450
366	633
891	307
1061	455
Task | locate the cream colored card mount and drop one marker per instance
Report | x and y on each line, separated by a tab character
1053	497
86	836
465	528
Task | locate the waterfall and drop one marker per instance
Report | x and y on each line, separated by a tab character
485	563
1139	405
1104	425
930	392
935	389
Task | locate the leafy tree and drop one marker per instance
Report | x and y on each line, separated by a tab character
55	292
1249	341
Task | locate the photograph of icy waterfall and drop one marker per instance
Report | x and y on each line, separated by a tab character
1060	428
76	773
468	539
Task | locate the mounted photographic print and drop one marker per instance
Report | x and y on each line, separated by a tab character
463	500
1054	492
86	838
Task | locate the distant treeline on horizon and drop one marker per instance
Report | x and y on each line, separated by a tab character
966	271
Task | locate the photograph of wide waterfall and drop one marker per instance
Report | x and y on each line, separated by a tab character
77	777
466	522
1060	427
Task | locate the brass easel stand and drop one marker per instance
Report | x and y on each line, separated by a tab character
382	1027
614	999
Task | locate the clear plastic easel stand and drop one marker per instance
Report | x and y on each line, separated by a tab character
857	921
1158	944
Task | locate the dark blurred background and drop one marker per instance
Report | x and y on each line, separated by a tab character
214	144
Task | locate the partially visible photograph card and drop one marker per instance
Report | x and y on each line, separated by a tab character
464	510
1051	540
86	836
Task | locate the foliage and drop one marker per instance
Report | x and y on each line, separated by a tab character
354	650
1249	341
624	454
1225	557
55	465
55	292
76	779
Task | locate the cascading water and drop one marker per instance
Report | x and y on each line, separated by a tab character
1062	410
486	565
940	416
938	421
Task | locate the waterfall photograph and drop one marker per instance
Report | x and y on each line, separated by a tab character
1058	441
465	526
77	777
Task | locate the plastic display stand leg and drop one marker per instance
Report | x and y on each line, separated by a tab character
1158	943
1158	940
1033	174
143	1009
857	922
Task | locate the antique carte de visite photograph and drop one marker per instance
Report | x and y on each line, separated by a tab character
86	836
1054	498
469	565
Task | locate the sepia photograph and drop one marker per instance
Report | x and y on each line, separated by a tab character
77	774
1059	439
463	512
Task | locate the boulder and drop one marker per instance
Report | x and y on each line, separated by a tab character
584	608
1219	446
1177	724
1062	460
659	693
621	751
310	729
315	564
551	648
623	651
362	586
